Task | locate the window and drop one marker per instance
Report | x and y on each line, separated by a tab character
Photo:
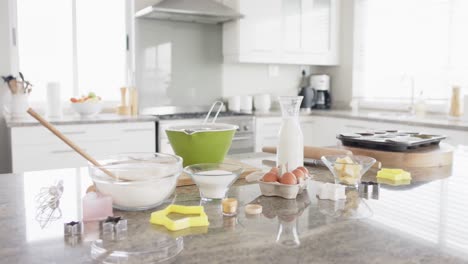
79	43
408	47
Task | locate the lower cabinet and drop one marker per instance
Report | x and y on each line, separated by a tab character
35	148
316	131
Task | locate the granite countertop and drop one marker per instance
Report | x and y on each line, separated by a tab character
425	222
430	120
77	120
435	121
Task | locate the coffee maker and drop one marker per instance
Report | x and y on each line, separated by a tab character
321	84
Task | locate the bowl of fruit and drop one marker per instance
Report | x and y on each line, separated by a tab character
87	105
283	183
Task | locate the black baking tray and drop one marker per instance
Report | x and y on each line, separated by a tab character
390	140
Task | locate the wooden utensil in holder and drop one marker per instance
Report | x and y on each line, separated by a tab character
123	109
133	101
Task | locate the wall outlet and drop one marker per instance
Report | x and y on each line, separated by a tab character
273	70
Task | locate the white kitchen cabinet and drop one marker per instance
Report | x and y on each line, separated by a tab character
317	131
331	126
310	32
35	148
321	131
266	132
256	38
283	31
324	132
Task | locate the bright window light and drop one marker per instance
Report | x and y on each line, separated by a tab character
46	48
405	47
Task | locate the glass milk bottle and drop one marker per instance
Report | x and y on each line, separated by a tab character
290	152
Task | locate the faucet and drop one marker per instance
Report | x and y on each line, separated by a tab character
410	78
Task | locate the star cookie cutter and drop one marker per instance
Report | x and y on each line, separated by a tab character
161	217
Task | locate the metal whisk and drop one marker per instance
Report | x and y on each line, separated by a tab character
48	201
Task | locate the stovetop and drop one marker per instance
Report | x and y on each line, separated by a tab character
201	115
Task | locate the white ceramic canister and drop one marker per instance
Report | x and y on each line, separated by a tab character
54	103
19	104
246	103
262	102
234	103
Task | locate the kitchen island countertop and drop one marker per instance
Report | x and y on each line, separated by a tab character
425	222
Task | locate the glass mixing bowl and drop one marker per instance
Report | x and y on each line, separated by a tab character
137	181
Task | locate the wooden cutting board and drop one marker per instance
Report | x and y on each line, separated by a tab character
314	152
432	156
185	180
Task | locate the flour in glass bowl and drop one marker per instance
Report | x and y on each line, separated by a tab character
142	183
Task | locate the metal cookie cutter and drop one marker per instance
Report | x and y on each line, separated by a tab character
72	228
113	225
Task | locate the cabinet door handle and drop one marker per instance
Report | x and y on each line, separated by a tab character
74	132
129	130
64	151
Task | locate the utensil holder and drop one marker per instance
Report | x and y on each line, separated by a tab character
19	105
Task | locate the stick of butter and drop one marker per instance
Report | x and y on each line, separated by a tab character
394	174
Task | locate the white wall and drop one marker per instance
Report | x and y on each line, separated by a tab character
5	69
250	79
342	75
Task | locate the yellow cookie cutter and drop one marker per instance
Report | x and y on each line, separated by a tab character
161	217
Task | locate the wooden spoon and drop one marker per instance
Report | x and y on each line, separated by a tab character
67	141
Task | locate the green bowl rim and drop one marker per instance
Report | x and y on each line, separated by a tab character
220	127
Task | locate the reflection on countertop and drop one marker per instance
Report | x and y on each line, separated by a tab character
422	224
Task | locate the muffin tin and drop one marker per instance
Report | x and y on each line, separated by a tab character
392	140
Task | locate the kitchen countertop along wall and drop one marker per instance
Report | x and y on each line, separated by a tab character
435	121
424	222
77	120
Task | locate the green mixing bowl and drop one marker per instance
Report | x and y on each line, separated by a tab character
204	143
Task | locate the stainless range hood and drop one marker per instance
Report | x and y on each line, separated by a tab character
198	11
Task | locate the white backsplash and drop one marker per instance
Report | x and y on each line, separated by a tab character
249	79
178	63
181	63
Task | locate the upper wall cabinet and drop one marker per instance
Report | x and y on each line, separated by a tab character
301	32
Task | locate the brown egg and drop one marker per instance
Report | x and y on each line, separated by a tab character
270	177
299	174
274	170
304	170
288	178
